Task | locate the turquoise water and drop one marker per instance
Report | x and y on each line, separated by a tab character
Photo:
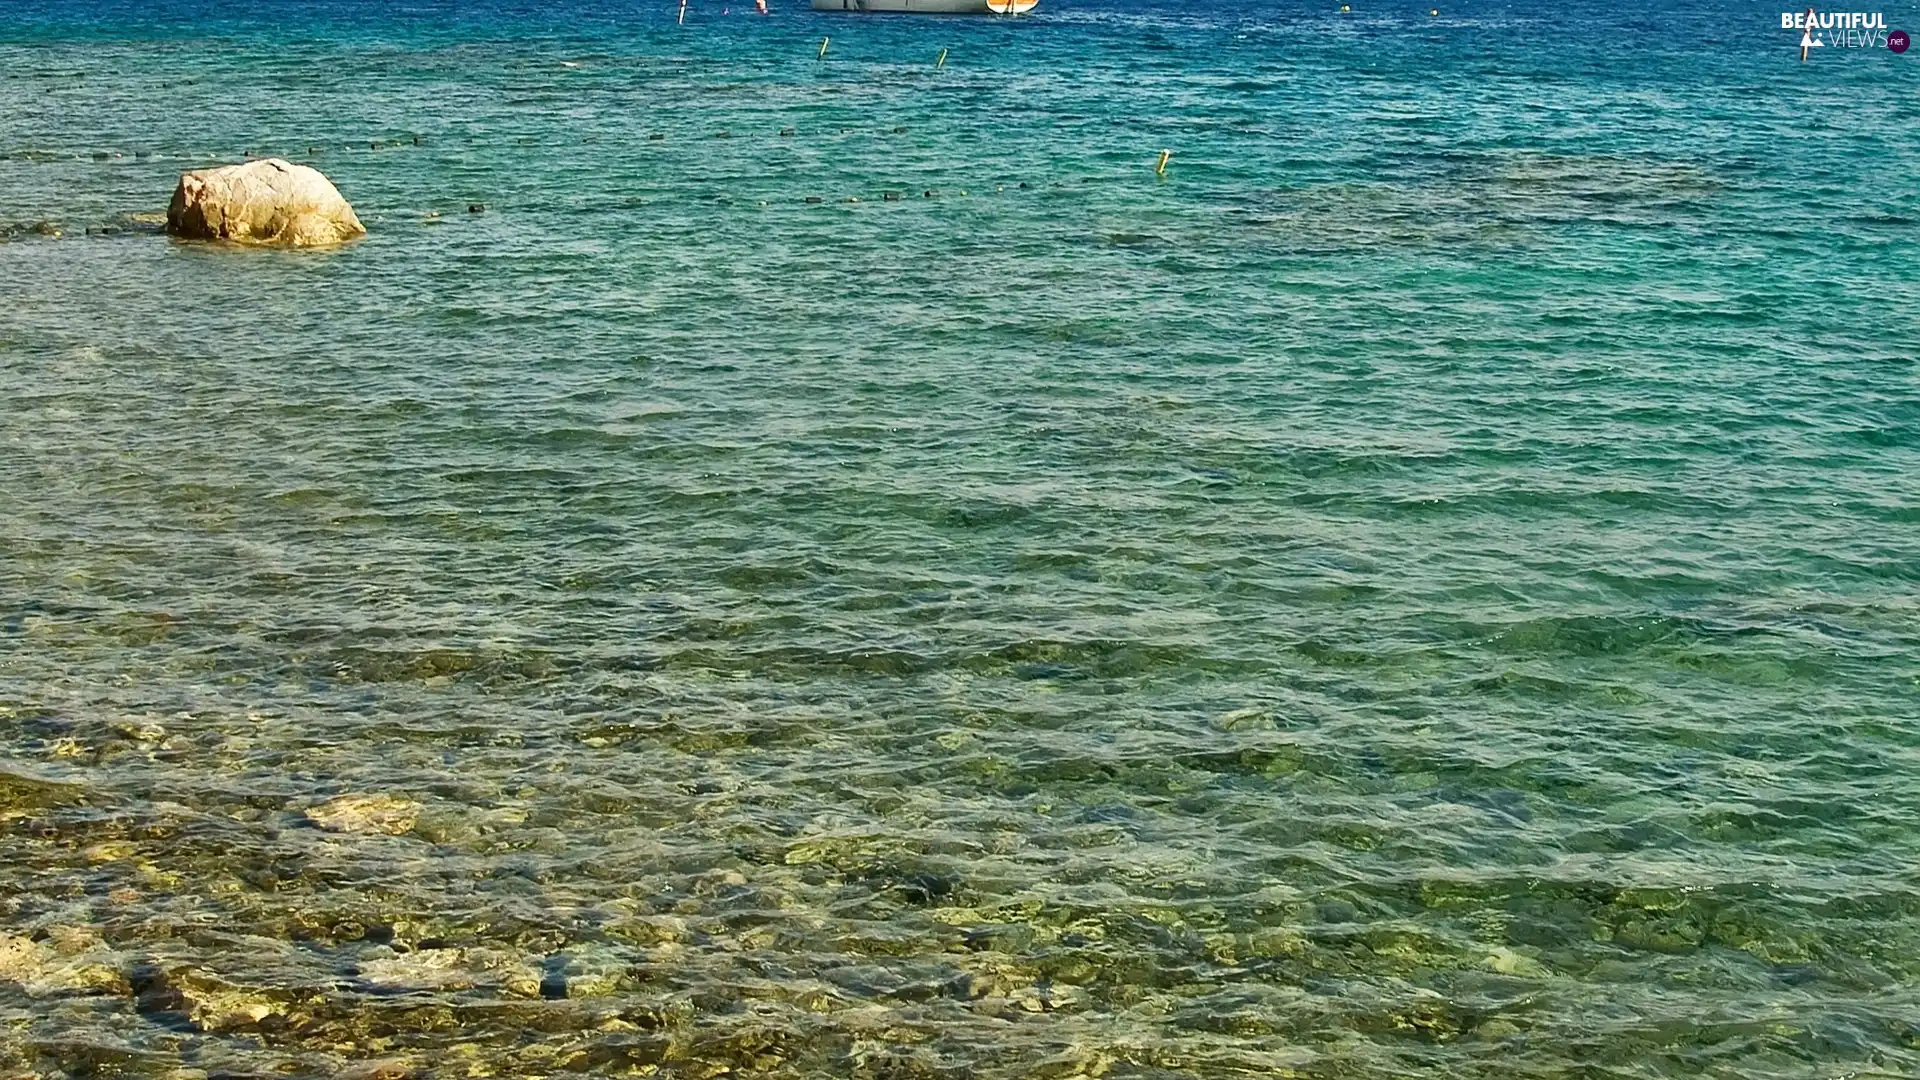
1428	588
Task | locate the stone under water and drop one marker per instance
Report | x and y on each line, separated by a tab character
387	814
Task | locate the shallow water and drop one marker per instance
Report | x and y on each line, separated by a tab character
1426	589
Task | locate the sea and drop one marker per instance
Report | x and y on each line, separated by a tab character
794	548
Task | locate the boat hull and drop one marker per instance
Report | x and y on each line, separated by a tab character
931	7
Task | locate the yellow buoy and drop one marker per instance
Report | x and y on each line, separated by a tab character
1161	169
942	62
823	47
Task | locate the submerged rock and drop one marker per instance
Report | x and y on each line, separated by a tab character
387	814
201	1001
431	969
20	959
388	1069
21	793
262	202
384	971
70	960
215	1005
584	971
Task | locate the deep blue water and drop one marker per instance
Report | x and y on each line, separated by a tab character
1426	588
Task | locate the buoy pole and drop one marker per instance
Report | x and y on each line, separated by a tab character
823	47
942	62
1161	169
683	12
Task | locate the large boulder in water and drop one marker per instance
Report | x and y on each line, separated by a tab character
262	202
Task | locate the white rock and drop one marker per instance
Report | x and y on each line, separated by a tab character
430	969
262	202
388	814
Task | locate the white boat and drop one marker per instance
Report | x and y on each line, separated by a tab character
931	7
